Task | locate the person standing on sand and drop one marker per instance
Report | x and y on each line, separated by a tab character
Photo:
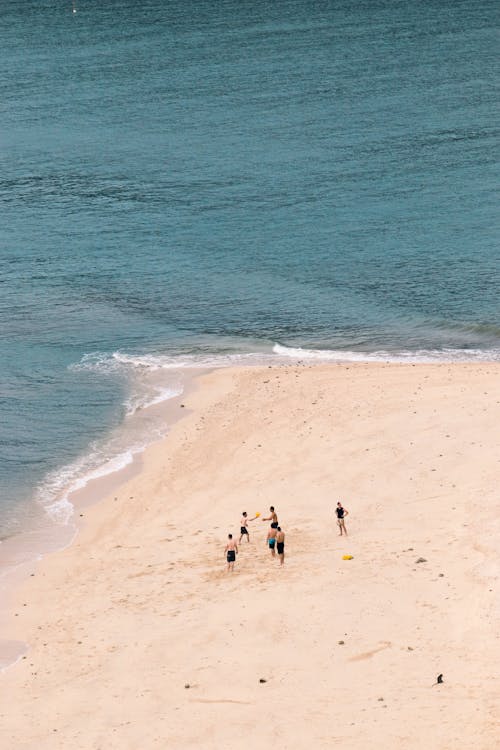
341	514
271	539
280	544
244	526
273	518
231	552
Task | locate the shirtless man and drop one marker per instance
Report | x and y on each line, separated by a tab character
244	526
231	551
341	514
271	539
273	518
280	544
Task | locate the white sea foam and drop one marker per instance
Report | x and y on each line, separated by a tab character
135	403
54	493
115	452
107	456
421	355
151	363
61	511
148	363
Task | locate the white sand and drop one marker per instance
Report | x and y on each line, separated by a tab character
141	605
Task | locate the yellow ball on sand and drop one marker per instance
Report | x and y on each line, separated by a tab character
257	515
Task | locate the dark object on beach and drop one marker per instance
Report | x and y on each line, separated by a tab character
262	680
439	679
182	406
187	685
421	559
341	643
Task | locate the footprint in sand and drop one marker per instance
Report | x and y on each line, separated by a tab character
222	700
369	654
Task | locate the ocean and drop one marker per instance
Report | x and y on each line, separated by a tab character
195	184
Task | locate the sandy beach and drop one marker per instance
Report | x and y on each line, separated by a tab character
139	638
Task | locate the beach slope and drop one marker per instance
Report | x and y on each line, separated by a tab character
141	639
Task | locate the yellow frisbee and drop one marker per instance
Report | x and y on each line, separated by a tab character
347	557
257	515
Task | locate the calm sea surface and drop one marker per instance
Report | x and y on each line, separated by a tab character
189	182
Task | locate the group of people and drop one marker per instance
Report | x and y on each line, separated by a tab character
275	539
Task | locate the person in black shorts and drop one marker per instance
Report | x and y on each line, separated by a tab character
341	514
244	526
273	518
280	544
231	551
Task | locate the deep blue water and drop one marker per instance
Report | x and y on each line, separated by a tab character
192	178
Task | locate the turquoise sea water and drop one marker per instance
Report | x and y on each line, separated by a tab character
189	182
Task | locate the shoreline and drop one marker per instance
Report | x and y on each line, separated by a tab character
299	436
188	373
19	555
